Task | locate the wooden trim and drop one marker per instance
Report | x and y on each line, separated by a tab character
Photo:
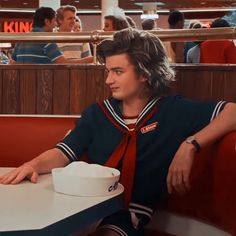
69	89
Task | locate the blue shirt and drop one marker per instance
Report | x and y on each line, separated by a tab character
36	53
100	130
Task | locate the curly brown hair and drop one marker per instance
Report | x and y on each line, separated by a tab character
146	52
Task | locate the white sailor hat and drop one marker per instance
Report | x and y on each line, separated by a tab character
82	179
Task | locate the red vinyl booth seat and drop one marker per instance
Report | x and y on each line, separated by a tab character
212	197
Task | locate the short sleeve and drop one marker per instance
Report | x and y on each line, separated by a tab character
191	116
52	51
85	50
76	143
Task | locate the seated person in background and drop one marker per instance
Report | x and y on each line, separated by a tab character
66	18
115	20
5	51
149	24
189	45
150	137
175	50
3	58
218	51
42	53
193	53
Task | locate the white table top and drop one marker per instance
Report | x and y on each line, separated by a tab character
28	206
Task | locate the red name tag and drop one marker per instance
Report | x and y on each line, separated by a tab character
149	128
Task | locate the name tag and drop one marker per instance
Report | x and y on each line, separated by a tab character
149	128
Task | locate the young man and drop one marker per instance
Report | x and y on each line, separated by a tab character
151	138
114	23
66	19
175	50
43	53
149	24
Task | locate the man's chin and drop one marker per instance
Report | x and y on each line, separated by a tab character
116	96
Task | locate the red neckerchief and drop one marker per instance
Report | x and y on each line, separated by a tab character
126	150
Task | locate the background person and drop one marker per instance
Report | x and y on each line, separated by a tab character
42	53
149	24
150	137
114	23
78	25
3	58
66	20
189	45
175	50
218	51
115	20
192	49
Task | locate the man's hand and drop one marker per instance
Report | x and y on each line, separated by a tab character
180	168
26	171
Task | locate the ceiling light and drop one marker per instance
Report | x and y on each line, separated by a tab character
149	11
160	4
149	16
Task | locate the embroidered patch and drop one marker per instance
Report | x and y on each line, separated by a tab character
149	127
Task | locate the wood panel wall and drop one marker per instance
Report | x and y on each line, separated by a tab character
206	82
69	89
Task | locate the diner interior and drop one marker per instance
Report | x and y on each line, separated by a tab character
39	103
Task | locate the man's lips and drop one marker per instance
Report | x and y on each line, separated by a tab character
114	88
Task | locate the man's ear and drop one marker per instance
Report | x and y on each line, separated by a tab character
143	78
46	22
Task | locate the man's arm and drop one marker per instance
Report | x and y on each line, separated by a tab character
179	170
63	60
41	164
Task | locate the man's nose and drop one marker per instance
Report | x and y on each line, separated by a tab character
109	79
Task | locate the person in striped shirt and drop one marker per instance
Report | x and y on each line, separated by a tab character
43	53
66	19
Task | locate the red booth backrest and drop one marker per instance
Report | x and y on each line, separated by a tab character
212	197
24	137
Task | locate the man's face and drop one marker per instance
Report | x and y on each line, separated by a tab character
108	26
179	24
50	24
68	22
123	80
77	27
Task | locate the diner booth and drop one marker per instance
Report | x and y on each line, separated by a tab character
40	103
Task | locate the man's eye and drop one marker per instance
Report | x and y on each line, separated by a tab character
118	72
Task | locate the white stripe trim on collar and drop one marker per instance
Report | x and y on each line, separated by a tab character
147	108
115	115
120	120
